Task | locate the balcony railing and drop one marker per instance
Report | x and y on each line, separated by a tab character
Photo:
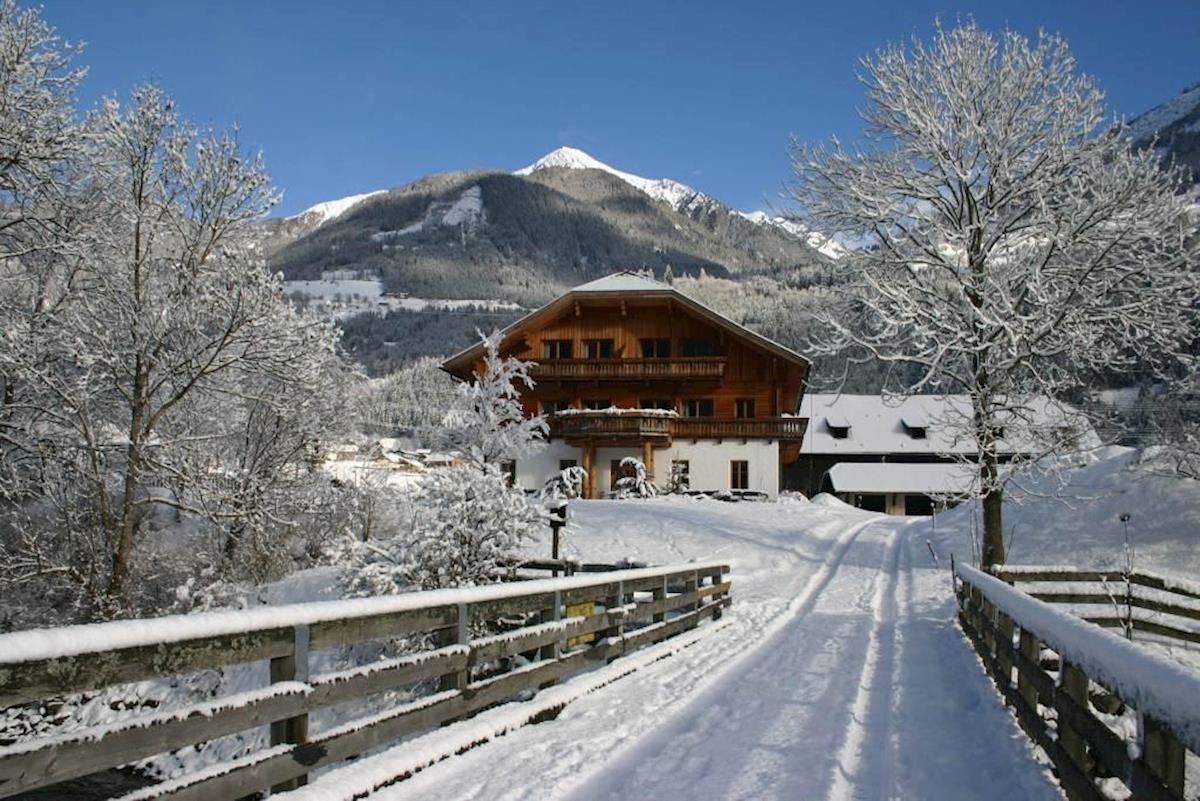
607	425
790	428
630	369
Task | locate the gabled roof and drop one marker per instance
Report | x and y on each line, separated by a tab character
885	425
617	285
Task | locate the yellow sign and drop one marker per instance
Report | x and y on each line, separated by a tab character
580	610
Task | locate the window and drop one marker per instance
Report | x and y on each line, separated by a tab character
680	475
656	348
557	349
596	404
509	469
739	474
656	403
566	464
698	407
699	346
743	407
597	348
552	406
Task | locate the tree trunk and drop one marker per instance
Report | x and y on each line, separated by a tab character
123	548
993	526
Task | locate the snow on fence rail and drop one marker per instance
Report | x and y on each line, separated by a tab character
466	669
1057	702
1136	600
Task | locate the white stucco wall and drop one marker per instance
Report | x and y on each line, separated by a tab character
708	464
535	469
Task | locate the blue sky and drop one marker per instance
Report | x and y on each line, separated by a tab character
373	94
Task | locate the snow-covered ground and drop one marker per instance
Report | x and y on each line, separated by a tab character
838	673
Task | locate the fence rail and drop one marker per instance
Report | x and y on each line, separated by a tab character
1136	600
1056	696
468	633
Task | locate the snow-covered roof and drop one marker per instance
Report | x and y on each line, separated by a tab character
886	425
933	478
624	281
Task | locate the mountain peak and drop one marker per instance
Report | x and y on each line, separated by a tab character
570	158
679	196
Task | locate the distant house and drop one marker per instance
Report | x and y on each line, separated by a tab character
627	366
901	455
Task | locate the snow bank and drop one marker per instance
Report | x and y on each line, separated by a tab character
35	644
1154	685
1067	513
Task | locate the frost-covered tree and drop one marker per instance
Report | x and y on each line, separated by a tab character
466	523
149	361
488	421
1015	241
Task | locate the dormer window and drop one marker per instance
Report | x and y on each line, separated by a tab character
839	427
916	426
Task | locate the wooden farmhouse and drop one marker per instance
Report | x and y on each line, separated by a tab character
628	366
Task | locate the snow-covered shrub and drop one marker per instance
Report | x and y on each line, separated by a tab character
466	523
567	484
635	483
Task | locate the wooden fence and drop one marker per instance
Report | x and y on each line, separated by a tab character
470	634
1063	709
1142	600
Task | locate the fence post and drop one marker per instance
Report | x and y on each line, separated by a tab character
1031	649
1004	663
1075	686
460	678
691	585
716	578
657	594
291	667
552	650
1164	754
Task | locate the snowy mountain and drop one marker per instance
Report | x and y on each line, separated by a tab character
332	209
680	197
1176	124
528	235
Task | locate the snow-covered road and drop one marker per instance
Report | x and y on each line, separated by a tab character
838	673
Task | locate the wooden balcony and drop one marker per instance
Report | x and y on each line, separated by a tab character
606	426
707	367
781	428
602	425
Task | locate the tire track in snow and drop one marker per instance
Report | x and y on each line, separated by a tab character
682	722
864	762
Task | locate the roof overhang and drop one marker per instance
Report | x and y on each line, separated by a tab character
462	363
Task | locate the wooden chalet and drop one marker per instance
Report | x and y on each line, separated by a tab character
628	366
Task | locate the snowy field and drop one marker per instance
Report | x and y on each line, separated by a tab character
344	297
839	672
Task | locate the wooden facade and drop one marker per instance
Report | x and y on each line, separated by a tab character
637	344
